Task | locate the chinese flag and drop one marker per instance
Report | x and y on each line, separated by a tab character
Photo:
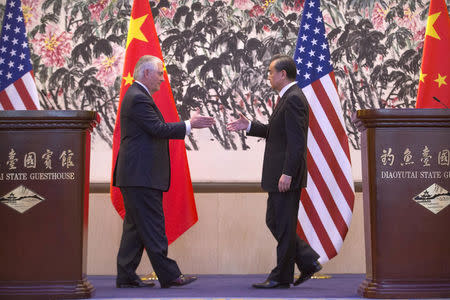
434	83
179	203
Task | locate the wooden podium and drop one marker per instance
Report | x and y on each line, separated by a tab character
406	184
44	194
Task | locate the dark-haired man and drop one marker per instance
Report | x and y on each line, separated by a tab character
284	173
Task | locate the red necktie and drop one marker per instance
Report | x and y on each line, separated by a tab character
276	101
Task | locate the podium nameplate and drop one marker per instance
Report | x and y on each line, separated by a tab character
44	190
406	179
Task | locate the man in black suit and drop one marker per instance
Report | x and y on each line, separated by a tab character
142	172
284	173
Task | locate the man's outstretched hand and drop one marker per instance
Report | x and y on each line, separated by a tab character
239	124
199	121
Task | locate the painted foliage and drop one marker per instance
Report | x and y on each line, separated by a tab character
217	52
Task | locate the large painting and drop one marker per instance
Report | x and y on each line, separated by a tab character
216	54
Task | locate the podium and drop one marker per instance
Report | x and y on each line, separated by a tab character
406	184
44	192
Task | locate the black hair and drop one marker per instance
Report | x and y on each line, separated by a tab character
284	62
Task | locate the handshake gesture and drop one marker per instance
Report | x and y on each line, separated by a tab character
199	121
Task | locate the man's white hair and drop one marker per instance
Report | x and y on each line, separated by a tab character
146	62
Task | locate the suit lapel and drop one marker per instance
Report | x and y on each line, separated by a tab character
278	106
281	102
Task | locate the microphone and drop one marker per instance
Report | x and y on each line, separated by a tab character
437	100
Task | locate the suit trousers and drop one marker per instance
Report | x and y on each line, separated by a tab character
144	228
281	218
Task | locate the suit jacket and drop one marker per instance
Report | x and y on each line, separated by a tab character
286	135
143	159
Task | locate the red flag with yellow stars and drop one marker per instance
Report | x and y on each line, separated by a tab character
178	203
434	83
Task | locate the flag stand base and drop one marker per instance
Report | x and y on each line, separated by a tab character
321	276
316	276
151	276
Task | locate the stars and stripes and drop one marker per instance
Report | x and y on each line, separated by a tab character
327	203
17	86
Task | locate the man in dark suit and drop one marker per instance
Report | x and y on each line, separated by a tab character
284	173
142	172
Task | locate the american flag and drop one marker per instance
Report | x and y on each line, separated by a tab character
326	205
17	87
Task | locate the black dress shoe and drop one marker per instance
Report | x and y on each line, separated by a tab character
134	284
182	280
270	284
308	272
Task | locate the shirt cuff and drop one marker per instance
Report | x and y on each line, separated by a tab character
249	126
188	127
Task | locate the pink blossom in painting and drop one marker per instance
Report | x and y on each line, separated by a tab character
109	66
54	45
97	8
31	11
256	11
243	4
378	16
